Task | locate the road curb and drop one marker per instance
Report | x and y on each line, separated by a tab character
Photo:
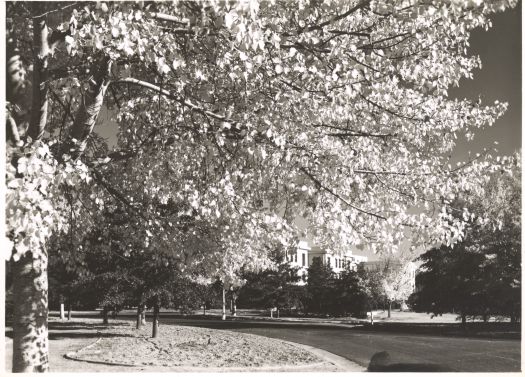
343	364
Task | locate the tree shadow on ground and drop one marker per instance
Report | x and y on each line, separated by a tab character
61	327
242	324
381	362
76	335
86	335
492	330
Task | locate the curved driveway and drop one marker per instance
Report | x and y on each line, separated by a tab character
460	354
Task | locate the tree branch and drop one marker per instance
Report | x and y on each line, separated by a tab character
171	95
39	101
90	107
169	18
336	18
359	134
327	189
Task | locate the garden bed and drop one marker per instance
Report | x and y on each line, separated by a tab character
192	347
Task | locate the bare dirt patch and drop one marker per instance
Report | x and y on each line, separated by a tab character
192	347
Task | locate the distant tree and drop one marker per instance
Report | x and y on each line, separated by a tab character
451	281
349	295
481	275
208	294
396	279
272	287
320	287
370	282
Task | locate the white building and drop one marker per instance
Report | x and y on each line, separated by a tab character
304	256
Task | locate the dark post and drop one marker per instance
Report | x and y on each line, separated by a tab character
139	316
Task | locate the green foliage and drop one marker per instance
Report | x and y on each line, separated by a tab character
482	274
271	288
349	296
371	285
320	287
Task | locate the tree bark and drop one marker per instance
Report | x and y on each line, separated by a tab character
62	313
139	316
90	106
223	304
155	319
41	51
30	330
389	308
204	307
69	311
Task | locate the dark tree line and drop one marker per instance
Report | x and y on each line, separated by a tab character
480	276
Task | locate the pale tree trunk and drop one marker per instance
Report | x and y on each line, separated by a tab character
90	106
143	315
30	331
62	312
234	302
41	52
223	304
105	316
30	284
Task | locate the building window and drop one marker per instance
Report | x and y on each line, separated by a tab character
304	259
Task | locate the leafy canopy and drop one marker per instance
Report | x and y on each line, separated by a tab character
244	115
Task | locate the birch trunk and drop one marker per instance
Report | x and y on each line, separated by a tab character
90	106
155	319
30	330
105	316
223	304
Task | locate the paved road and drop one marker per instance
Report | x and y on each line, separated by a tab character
460	354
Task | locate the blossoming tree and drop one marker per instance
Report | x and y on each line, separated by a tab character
243	113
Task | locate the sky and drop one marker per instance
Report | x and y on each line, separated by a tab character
498	79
